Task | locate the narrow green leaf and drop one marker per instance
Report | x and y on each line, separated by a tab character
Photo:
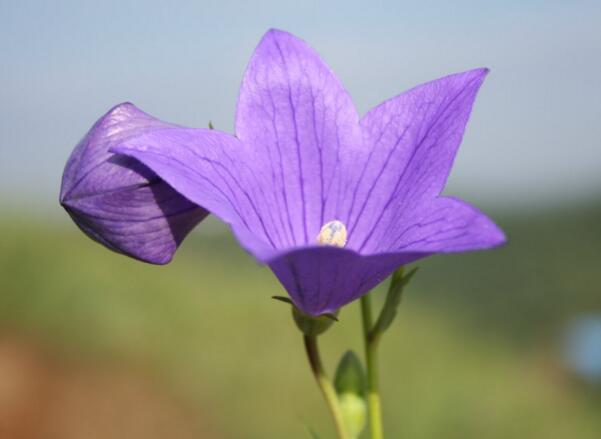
398	282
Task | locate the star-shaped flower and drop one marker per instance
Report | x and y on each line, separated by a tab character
332	202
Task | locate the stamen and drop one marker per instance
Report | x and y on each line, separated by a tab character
332	233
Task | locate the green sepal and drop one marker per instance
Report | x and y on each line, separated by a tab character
313	326
398	282
350	377
283	299
309	325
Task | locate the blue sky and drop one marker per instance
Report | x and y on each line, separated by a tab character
534	138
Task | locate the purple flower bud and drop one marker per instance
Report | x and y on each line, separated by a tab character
119	202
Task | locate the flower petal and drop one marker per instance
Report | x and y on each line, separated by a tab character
444	225
322	279
414	139
214	170
297	116
119	202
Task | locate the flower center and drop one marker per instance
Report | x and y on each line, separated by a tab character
332	233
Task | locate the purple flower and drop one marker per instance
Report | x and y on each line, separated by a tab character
333	203
119	202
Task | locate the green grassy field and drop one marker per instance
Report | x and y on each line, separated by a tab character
472	355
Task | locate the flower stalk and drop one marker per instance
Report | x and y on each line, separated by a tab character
371	342
325	385
372	333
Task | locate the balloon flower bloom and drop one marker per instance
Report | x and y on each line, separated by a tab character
331	201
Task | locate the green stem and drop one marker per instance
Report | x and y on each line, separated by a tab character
325	385
371	359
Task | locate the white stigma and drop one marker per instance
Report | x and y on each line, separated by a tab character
332	233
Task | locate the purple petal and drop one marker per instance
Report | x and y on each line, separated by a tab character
443	225
117	201
217	171
322	279
414	138
296	115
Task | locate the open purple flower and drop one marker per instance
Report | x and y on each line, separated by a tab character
304	170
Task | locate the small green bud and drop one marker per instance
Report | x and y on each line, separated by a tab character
350	385
312	326
354	413
350	377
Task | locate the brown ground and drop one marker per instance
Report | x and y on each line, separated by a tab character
44	398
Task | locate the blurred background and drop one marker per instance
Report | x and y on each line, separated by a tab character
500	344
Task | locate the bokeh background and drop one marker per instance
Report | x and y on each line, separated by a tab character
501	344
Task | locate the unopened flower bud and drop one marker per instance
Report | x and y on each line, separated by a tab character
116	200
350	377
354	413
350	386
